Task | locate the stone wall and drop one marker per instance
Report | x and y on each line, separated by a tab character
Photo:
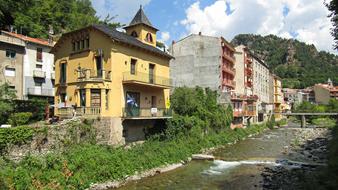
55	138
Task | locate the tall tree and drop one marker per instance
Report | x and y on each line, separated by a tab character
333	7
35	17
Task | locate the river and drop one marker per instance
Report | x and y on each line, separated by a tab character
254	163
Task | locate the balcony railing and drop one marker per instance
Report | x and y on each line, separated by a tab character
90	75
230	70
229	83
229	57
146	113
39	74
248	71
67	112
238	113
40	92
146	78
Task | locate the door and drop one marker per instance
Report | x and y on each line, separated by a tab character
153	102
98	60
83	98
132	104
151	73
95	98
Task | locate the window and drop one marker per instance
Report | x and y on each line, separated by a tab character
82	44
9	72
38	66
38	84
77	45
107	99
134	34
63	73
87	43
149	38
74	46
39	54
10	53
133	66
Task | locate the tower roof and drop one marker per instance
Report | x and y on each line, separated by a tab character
140	18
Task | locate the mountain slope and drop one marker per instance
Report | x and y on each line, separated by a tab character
298	64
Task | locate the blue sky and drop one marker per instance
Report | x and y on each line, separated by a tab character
305	20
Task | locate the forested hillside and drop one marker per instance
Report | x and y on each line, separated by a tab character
36	17
300	65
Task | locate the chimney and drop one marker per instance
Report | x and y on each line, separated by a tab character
173	42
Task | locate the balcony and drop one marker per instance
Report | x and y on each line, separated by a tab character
68	112
146	79
248	72
11	40
238	113
90	75
229	83
248	61
146	113
40	92
52	76
229	70
248	84
229	57
39	74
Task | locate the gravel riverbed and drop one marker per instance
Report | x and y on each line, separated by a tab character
307	157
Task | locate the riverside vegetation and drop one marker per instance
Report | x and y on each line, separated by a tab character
199	123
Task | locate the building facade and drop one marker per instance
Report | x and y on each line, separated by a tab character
102	72
204	61
33	73
244	84
277	96
261	88
12	52
325	92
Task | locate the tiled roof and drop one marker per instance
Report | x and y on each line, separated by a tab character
140	18
124	38
28	39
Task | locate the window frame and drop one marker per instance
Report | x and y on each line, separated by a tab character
39	54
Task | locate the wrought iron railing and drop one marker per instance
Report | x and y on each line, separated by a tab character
146	78
93	75
133	112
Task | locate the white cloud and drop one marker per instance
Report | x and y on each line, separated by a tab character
123	9
306	20
165	36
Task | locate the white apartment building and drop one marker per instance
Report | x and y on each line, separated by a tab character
38	68
261	88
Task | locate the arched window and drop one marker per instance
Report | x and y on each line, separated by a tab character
149	38
134	34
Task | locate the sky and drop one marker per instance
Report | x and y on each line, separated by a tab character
304	20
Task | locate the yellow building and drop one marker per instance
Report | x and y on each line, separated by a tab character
105	73
277	96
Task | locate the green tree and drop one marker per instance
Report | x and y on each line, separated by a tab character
36	17
7	95
333	7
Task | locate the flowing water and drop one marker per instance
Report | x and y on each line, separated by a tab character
237	166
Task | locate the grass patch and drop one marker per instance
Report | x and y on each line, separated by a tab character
84	164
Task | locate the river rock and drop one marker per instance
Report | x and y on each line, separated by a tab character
202	157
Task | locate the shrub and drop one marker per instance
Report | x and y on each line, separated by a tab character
17	119
271	122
